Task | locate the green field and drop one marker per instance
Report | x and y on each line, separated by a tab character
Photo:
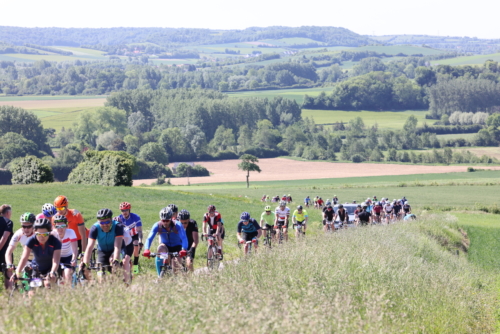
406	278
57	118
384	119
78	53
295	94
406	49
467	136
468	60
244	48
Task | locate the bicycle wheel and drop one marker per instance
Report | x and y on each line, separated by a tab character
212	258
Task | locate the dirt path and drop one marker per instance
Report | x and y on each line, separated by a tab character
286	169
42	104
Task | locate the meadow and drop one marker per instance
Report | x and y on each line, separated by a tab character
406	277
467	60
293	94
78	54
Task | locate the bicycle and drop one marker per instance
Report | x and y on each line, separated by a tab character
166	267
269	237
248	245
213	256
280	235
298	229
330	226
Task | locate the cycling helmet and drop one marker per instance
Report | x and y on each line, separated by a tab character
48	210
211	208
104	214
60	201
299	207
406	203
43	223
173	207
267	208
354	202
341	206
329	206
184	214
166	213
378	203
245	216
328	203
125	206
282	203
364	205
27	217
60	219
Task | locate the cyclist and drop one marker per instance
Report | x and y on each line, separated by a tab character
307	200
75	221
335	200
282	218
22	235
69	248
172	238
109	236
289	198
341	215
320	203
328	216
377	210
263	199
248	230
213	225
267	220
133	224
299	219
407	208
6	230
46	250
356	213
397	207
284	198
364	216
388	211
191	229
175	211
48	211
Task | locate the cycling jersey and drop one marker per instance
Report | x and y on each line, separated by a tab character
300	217
397	208
377	209
19	237
214	221
106	240
251	227
75	219
131	223
329	214
191	227
307	200
267	218
406	208
66	240
174	236
343	216
43	255
388	208
282	214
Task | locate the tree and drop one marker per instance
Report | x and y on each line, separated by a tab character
249	164
29	170
153	152
107	168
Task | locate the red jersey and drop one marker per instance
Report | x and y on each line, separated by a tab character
214	221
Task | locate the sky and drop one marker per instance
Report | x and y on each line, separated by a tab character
366	17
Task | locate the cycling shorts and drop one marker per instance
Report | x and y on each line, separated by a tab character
282	223
377	213
129	249
302	223
80	246
249	236
103	257
223	234
66	261
324	221
174	249
269	227
135	237
192	253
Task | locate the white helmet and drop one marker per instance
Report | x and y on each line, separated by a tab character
406	203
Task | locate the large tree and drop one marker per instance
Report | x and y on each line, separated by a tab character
249	164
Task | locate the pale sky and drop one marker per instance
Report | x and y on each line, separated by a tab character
384	17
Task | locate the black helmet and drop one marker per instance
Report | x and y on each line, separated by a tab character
43	223
104	214
341	206
184	214
299	207
173	207
27	217
166	213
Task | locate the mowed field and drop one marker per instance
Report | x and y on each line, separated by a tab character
78	54
279	169
293	94
468	60
384	119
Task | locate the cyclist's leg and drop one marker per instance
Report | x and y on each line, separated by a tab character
127	261
162	248
190	258
285	230
67	272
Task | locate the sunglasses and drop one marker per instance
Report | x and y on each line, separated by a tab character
42	234
245	221
124	210
185	223
268	211
27	226
60	208
104	222
61	226
166	220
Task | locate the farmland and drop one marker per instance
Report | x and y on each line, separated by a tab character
295	94
468	60
78	54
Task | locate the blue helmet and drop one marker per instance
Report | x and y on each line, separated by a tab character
245	216
48	210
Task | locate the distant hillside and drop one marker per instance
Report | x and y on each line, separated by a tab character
458	44
171	37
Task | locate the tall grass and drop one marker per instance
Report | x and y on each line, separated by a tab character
383	279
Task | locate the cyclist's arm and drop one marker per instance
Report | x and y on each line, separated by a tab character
238	234
259	230
10	250
88	250
118	242
306	218
24	258
182	235
82	230
204	227
4	239
56	258
74	248
139	233
151	237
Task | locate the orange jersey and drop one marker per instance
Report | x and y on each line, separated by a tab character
75	219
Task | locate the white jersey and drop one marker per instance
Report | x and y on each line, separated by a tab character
282	214
19	237
388	208
126	237
66	240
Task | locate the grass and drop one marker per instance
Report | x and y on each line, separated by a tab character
406	49
467	60
384	119
58	118
467	136
293	94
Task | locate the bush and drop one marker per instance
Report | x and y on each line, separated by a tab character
107	168
29	170
357	158
5	176
184	170
61	172
225	155
151	170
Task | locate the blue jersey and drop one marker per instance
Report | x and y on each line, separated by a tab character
307	200
43	255
252	226
131	223
174	236
106	240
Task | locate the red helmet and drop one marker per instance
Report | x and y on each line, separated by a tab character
125	206
60	201
211	208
